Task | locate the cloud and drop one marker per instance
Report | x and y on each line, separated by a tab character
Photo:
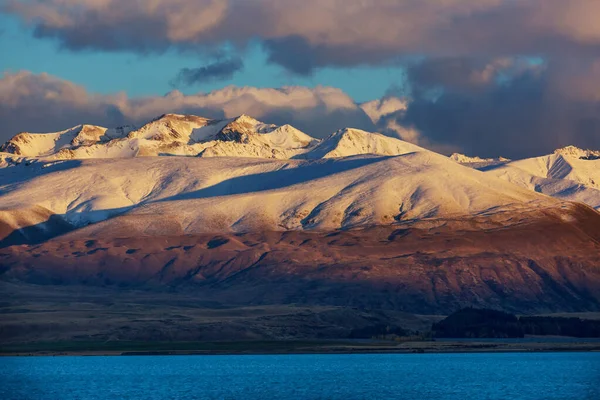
520	116
488	77
115	25
516	111
308	34
38	102
381	108
466	74
386	114
294	53
43	103
508	107
216	71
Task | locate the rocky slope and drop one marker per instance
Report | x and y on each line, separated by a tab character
543	260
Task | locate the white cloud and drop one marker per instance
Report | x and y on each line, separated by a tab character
519	118
30	102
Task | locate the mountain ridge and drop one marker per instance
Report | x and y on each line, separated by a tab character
240	194
569	173
244	212
168	134
192	135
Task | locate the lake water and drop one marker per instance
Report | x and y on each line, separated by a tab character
373	376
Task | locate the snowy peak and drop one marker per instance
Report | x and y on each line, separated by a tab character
169	134
477	161
245	136
170	128
191	129
242	128
348	142
569	173
251	138
45	144
32	144
189	135
288	137
576	152
88	134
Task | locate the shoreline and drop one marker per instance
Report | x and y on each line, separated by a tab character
445	346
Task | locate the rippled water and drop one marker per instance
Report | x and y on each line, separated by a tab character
374	376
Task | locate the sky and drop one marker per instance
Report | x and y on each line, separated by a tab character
512	78
154	74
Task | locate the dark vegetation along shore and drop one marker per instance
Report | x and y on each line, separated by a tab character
485	323
467	330
297	347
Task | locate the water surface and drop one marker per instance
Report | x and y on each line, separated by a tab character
366	376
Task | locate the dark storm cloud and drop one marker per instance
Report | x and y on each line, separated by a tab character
489	112
216	71
461	73
294	53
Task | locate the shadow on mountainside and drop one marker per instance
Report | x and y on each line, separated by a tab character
38	233
277	179
24	171
56	225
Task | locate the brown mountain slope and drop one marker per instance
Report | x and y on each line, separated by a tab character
545	260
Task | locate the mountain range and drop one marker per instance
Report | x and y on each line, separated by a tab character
243	212
264	177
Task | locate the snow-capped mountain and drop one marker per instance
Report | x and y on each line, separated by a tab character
242	174
575	152
170	134
187	135
280	142
59	144
255	213
347	142
191	195
569	173
477	162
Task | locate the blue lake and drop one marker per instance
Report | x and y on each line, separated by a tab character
371	376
